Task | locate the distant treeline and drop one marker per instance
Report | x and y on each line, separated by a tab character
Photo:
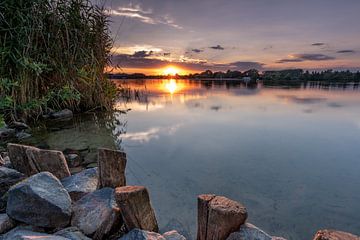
270	77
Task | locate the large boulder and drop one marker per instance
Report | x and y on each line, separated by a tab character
112	165
72	233
329	234
137	234
7	133
19	159
82	183
173	235
40	200
22	233
97	214
6	223
9	177
249	232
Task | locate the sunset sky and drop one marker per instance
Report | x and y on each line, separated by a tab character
235	34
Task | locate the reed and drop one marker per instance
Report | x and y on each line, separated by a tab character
52	55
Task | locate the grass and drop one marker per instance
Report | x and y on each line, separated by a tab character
52	55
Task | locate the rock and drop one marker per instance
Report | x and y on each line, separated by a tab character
112	166
73	160
173	235
72	233
31	160
137	234
328	234
18	125
136	209
20	233
22	135
97	214
218	217
6	223
2	161
66	113
40	200
9	177
7	133
249	232
82	183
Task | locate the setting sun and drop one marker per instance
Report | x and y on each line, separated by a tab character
171	70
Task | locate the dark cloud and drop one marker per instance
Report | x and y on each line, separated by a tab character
217	47
318	44
346	51
166	54
306	57
142	54
195	50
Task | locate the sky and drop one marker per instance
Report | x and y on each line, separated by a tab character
195	35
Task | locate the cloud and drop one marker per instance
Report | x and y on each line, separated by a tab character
240	65
145	16
195	50
306	57
152	133
318	44
346	51
143	54
217	47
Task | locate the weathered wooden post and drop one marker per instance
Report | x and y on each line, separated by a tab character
218	217
136	209
112	166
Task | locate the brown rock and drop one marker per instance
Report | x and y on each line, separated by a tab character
334	235
111	168
137	212
218	217
19	159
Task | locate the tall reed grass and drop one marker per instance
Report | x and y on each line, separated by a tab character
52	55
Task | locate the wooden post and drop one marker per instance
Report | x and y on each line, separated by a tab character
112	166
218	217
136	209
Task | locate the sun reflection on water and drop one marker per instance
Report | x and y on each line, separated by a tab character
172	86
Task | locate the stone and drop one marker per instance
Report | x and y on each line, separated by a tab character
138	234
7	133
82	183
97	214
249	232
173	235
19	159
2	161
22	135
40	200
73	160
112	166
20	233
8	178
72	233
6	223
136	209
49	161
66	113
218	217
19	125
329	234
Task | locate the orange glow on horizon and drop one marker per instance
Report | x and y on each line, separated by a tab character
171	70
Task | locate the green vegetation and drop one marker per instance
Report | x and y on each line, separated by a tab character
52	55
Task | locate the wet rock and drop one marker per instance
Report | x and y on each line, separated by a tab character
6	223
82	183
249	232
66	113
7	133
40	200
20	233
73	160
9	177
99	205
72	233
328	234
19	159
136	209
112	166
22	135
218	217
173	235
137	234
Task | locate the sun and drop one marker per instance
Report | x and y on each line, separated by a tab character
171	70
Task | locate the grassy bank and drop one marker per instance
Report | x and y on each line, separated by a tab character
53	55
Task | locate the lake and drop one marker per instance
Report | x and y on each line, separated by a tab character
290	155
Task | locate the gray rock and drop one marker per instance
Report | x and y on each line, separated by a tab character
173	235
82	183
21	233
137	234
2	161
72	233
22	135
6	223
97	214
9	177
73	160
66	113
41	201
6	133
249	232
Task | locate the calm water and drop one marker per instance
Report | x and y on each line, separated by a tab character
291	156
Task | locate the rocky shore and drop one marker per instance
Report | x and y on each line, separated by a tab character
43	197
